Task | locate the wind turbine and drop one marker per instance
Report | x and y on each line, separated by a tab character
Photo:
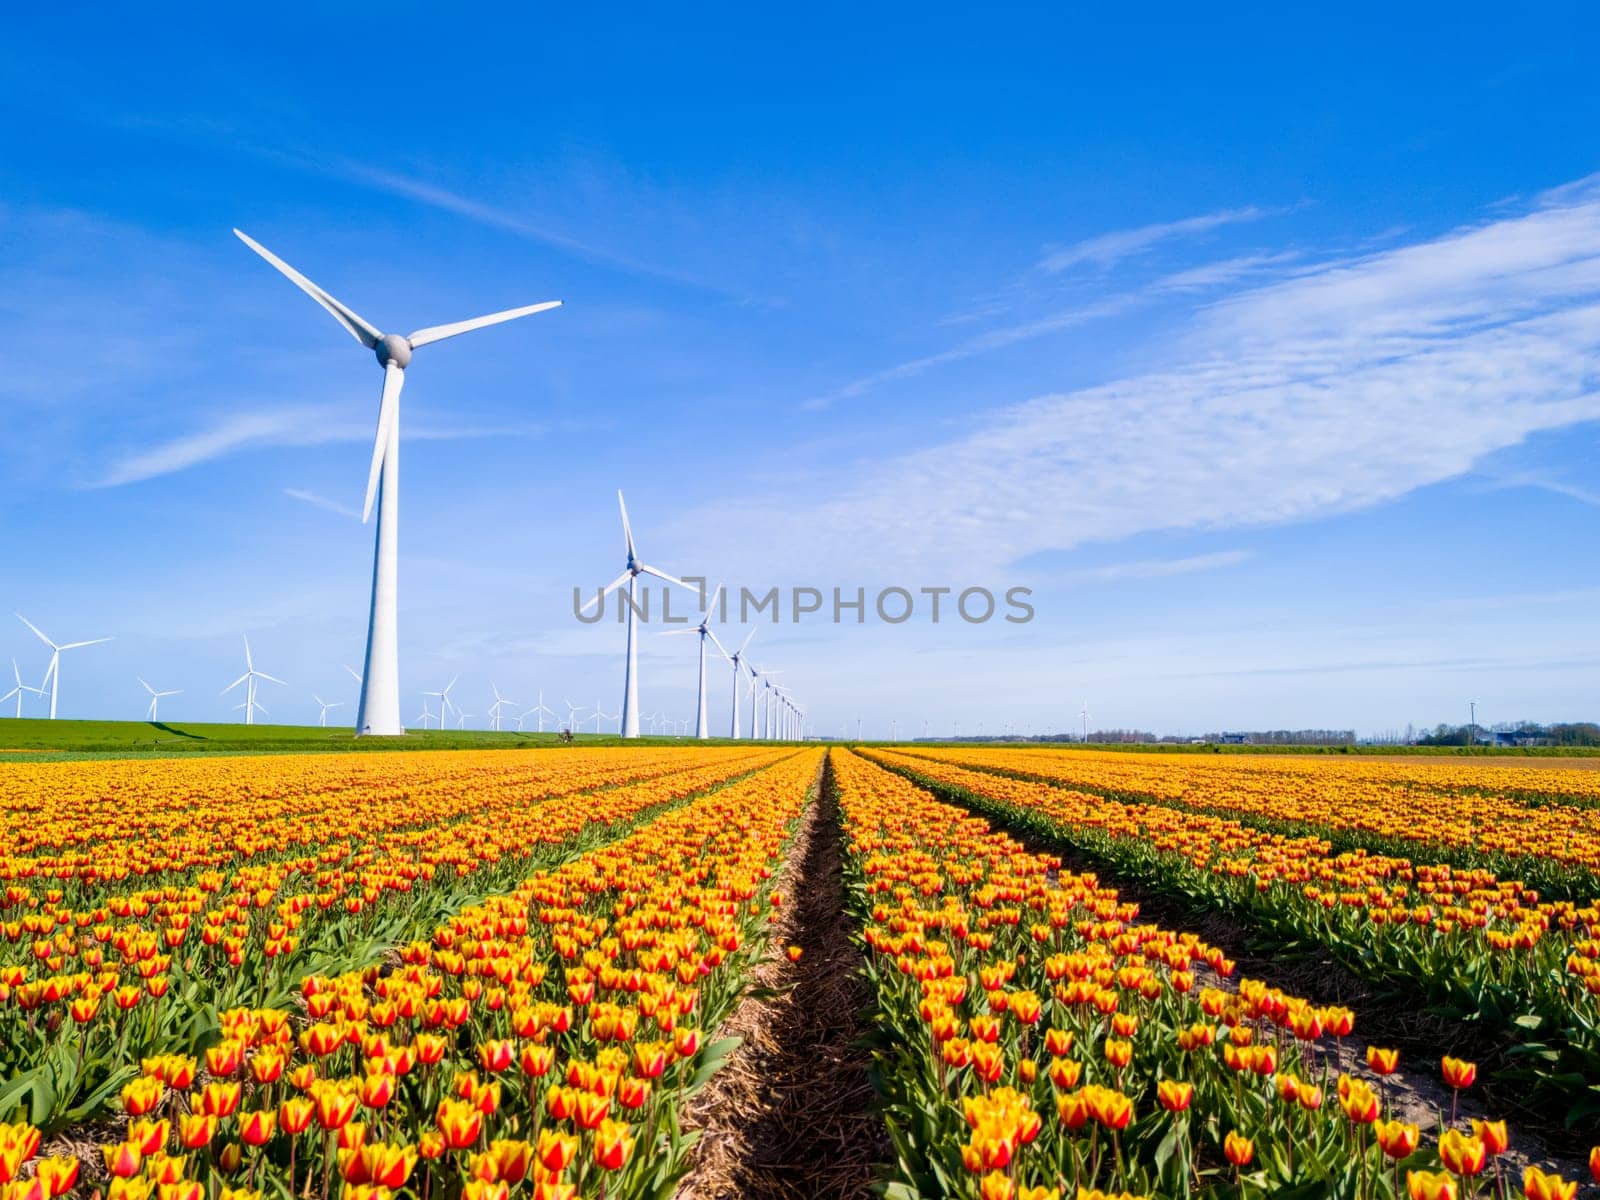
771	726
702	718
19	689
249	680
380	691
154	696
52	673
600	714
1086	721
444	701
737	659
426	715
462	718
494	709
325	707
630	576
572	715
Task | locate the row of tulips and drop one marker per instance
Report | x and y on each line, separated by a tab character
1552	843
1485	948
541	1041
89	989
1038	1041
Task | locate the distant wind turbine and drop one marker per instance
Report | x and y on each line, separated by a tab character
494	709
249	680
380	691
702	717
630	576
19	689
325	707
426	715
155	696
737	659
52	674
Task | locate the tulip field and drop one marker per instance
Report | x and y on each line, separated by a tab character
489	974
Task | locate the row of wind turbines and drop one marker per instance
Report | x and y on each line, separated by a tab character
773	712
378	713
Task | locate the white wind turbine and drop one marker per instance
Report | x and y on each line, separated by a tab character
702	718
52	674
630	576
572	715
737	659
494	709
323	721
249	680
155	696
379	711
427	716
19	689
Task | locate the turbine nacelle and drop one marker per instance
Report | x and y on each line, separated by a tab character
392	348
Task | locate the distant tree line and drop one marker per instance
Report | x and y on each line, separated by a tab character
1520	733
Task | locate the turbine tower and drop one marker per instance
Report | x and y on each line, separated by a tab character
379	711
630	576
737	659
249	680
702	717
52	673
19	689
155	696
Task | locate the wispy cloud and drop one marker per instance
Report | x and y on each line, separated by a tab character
1341	386
1161	568
495	217
1206	277
1106	249
322	502
274	428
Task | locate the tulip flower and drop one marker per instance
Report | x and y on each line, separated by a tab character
1461	1154
1536	1185
459	1123
58	1174
1174	1096
613	1142
1429	1185
1398	1139
1238	1149
1383	1062
1492	1134
123	1160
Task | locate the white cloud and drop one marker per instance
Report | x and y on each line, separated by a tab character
279	427
1162	568
1109	248
306	496
1347	385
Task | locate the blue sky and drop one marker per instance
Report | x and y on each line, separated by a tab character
1261	347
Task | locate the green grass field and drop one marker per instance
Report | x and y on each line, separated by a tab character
33	740
37	740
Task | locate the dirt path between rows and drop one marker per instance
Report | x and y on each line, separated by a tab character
791	1115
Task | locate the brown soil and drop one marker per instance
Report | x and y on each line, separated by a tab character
791	1115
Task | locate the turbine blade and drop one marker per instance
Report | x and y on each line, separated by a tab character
76	645
36	632
270	678
676	632
394	379
437	333
747	638
607	590
668	578
627	530
146	686
234	684
358	328
248	661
